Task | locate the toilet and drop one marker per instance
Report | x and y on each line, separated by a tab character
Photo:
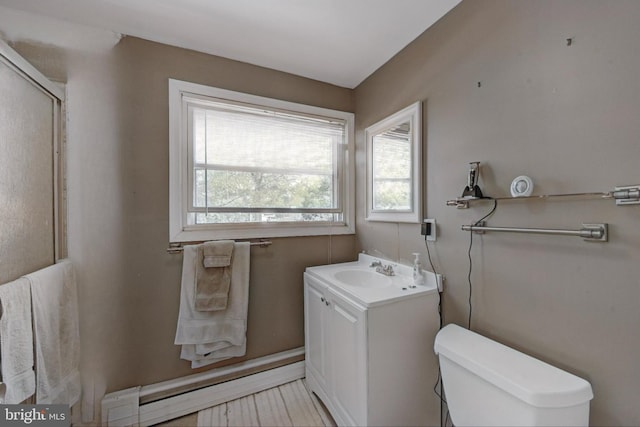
489	384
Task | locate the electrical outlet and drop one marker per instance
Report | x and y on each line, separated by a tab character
429	229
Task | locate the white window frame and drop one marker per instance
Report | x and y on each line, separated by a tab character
179	172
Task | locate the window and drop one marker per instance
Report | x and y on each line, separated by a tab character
244	166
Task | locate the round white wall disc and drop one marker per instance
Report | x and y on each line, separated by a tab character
522	186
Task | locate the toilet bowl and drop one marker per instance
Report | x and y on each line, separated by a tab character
489	384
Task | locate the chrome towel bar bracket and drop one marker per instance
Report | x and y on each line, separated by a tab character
629	195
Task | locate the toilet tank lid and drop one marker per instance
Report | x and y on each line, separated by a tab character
531	380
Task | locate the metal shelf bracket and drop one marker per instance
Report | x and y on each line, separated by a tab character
629	195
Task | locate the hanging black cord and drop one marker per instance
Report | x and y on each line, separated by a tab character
469	279
439	379
478	222
436	274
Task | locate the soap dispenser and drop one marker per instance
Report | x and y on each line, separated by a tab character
418	278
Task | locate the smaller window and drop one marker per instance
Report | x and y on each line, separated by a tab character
244	166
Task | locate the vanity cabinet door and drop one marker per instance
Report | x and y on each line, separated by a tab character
348	358
316	316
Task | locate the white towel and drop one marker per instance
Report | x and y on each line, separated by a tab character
208	337
16	343
56	328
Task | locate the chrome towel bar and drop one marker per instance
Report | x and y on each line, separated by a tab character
176	248
592	232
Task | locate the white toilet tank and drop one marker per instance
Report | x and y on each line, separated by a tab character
489	384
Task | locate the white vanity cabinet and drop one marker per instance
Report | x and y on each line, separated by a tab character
335	339
370	362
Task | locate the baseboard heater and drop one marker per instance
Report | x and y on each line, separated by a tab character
156	403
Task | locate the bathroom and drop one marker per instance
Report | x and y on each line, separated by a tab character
542	88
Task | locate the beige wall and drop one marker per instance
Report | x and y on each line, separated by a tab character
117	134
568	117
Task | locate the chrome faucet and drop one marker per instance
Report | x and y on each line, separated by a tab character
376	263
387	270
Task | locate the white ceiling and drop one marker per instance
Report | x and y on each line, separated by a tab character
336	41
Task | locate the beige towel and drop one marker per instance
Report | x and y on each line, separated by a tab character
210	336
56	329
213	275
16	343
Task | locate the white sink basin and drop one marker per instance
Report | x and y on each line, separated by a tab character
360	282
363	278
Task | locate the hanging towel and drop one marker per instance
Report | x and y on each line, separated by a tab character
213	275
16	343
56	329
198	361
210	336
217	253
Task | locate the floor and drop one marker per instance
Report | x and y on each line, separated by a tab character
290	404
